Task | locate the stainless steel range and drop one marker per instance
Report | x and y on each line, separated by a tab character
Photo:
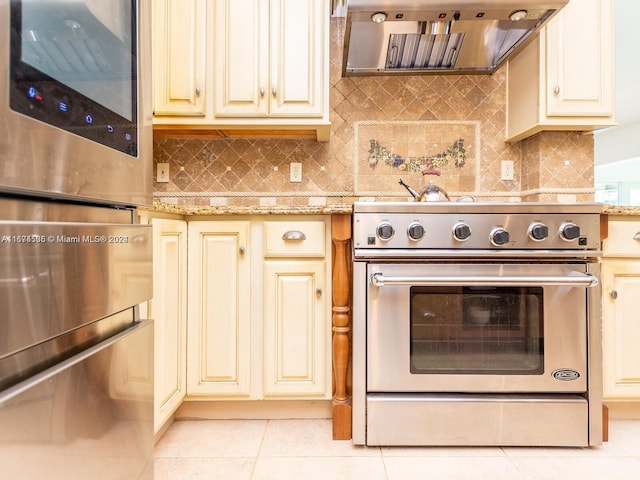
476	324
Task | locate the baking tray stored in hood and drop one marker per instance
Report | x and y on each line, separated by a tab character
416	39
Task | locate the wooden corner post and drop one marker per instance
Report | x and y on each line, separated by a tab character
341	324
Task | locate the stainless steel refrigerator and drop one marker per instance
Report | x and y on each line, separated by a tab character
76	359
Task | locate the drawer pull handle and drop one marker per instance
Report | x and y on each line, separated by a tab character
294	235
637	236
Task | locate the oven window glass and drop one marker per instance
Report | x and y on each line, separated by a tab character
477	330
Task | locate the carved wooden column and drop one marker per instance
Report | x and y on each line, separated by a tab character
341	324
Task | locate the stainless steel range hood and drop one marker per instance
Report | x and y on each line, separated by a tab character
385	37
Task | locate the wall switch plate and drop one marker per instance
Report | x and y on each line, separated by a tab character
295	172
506	172
162	173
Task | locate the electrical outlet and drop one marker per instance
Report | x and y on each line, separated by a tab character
506	170
162	173
295	172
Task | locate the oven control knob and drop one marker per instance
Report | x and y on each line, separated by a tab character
415	231
499	236
538	231
569	231
461	231
385	231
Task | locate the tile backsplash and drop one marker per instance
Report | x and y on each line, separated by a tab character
403	120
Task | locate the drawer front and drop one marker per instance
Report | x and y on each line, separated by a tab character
624	238
294	239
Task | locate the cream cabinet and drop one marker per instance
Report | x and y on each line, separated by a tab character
259	304
564	79
296	310
168	308
620	319
233	67
219	318
269	58
180	54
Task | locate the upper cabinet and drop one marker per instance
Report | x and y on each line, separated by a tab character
266	58
564	79
238	66
179	57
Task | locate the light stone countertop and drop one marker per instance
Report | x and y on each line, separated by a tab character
334	208
620	210
190	210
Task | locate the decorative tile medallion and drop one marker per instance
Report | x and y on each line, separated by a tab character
427	165
415	152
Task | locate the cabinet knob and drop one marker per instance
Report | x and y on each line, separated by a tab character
241	250
613	294
319	292
262	91
274	92
198	90
637	236
556	89
294	235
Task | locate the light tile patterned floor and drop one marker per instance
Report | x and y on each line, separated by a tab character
303	449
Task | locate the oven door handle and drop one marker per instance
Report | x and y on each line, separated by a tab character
576	279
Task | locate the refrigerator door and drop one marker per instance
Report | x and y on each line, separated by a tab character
90	416
62	269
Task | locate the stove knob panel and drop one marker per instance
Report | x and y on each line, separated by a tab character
385	231
569	231
461	231
499	237
538	231
415	231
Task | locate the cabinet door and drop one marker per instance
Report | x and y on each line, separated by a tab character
621	329
298	38
169	311
271	58
580	60
295	329
241	58
218	360
179	57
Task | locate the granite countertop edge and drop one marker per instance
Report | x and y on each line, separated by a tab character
620	210
191	210
329	209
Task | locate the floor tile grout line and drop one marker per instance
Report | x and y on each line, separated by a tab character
384	463
259	452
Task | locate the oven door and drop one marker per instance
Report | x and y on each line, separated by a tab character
477	327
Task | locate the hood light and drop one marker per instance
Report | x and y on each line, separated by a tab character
378	17
518	15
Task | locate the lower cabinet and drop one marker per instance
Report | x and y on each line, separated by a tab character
259	309
168	308
620	320
251	319
621	329
219	325
296	310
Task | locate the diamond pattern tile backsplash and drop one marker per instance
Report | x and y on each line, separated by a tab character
415	117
